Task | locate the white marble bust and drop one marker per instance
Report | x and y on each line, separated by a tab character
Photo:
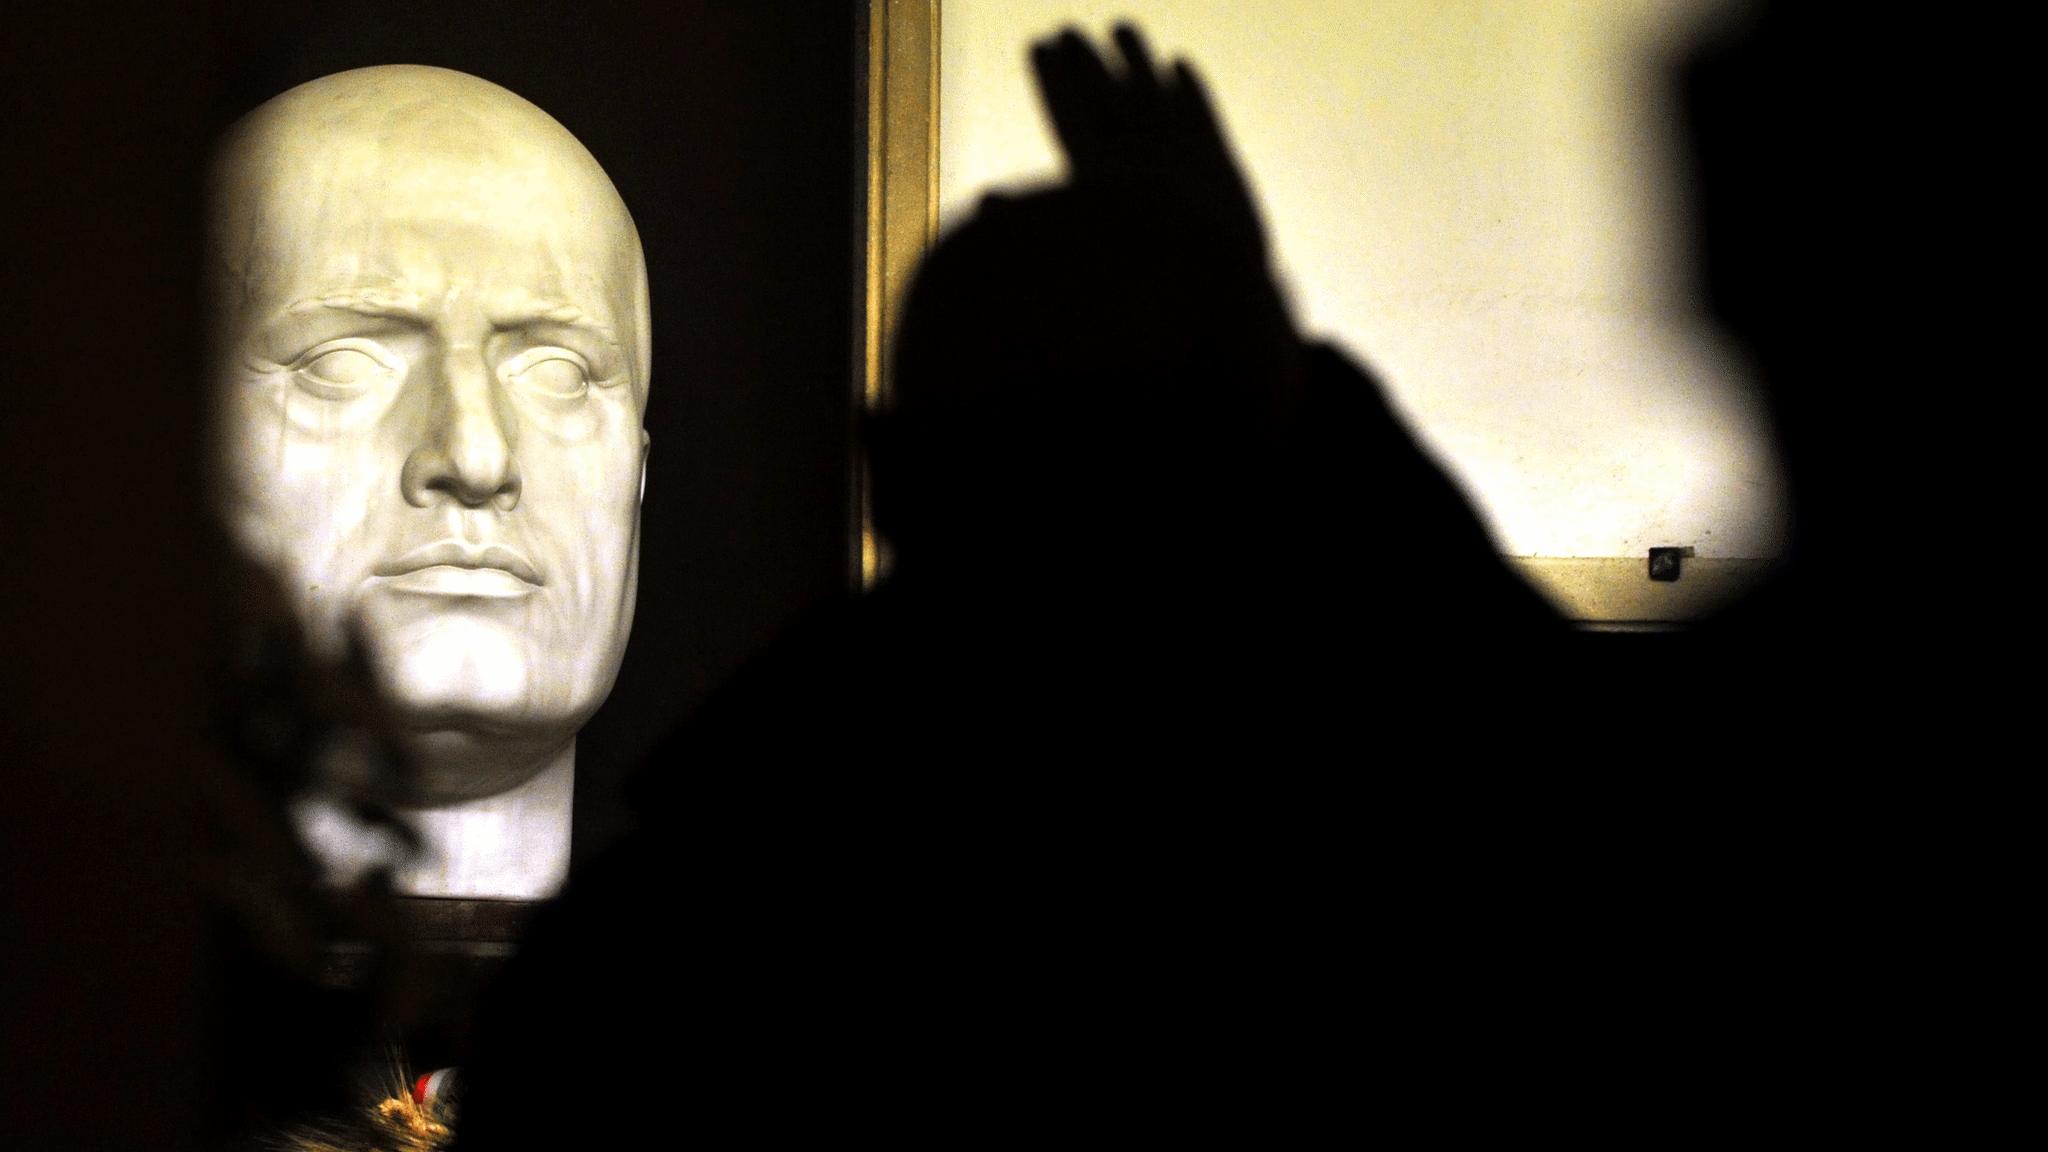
430	366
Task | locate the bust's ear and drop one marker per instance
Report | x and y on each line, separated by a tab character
646	442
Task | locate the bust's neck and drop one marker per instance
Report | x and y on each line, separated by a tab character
512	846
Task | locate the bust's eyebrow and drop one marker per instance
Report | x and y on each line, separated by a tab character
529	313
405	304
397	302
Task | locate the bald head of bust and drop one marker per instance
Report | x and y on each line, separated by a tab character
430	363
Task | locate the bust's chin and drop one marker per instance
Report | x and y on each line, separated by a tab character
450	765
476	711
477	672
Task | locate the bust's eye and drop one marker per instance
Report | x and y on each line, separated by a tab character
341	366
556	373
341	369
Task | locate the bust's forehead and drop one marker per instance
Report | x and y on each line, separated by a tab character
394	93
333	173
405	134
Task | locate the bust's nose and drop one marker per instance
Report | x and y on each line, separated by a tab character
464	450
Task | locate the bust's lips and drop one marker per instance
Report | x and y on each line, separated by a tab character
459	568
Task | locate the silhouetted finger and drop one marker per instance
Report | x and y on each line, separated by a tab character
1197	113
1089	68
1139	69
1198	131
1105	107
1074	121
1207	156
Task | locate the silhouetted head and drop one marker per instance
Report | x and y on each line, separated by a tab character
1072	364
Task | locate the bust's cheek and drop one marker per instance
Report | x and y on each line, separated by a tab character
248	441
618	427
588	456
556	424
306	416
581	503
291	497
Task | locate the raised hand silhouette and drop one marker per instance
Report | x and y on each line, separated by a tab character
1180	233
1146	133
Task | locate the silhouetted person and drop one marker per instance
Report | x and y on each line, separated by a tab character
1079	822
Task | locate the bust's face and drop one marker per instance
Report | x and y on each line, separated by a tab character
431	367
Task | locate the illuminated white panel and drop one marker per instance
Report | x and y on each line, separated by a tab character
1484	199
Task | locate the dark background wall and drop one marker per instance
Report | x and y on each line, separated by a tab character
729	128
